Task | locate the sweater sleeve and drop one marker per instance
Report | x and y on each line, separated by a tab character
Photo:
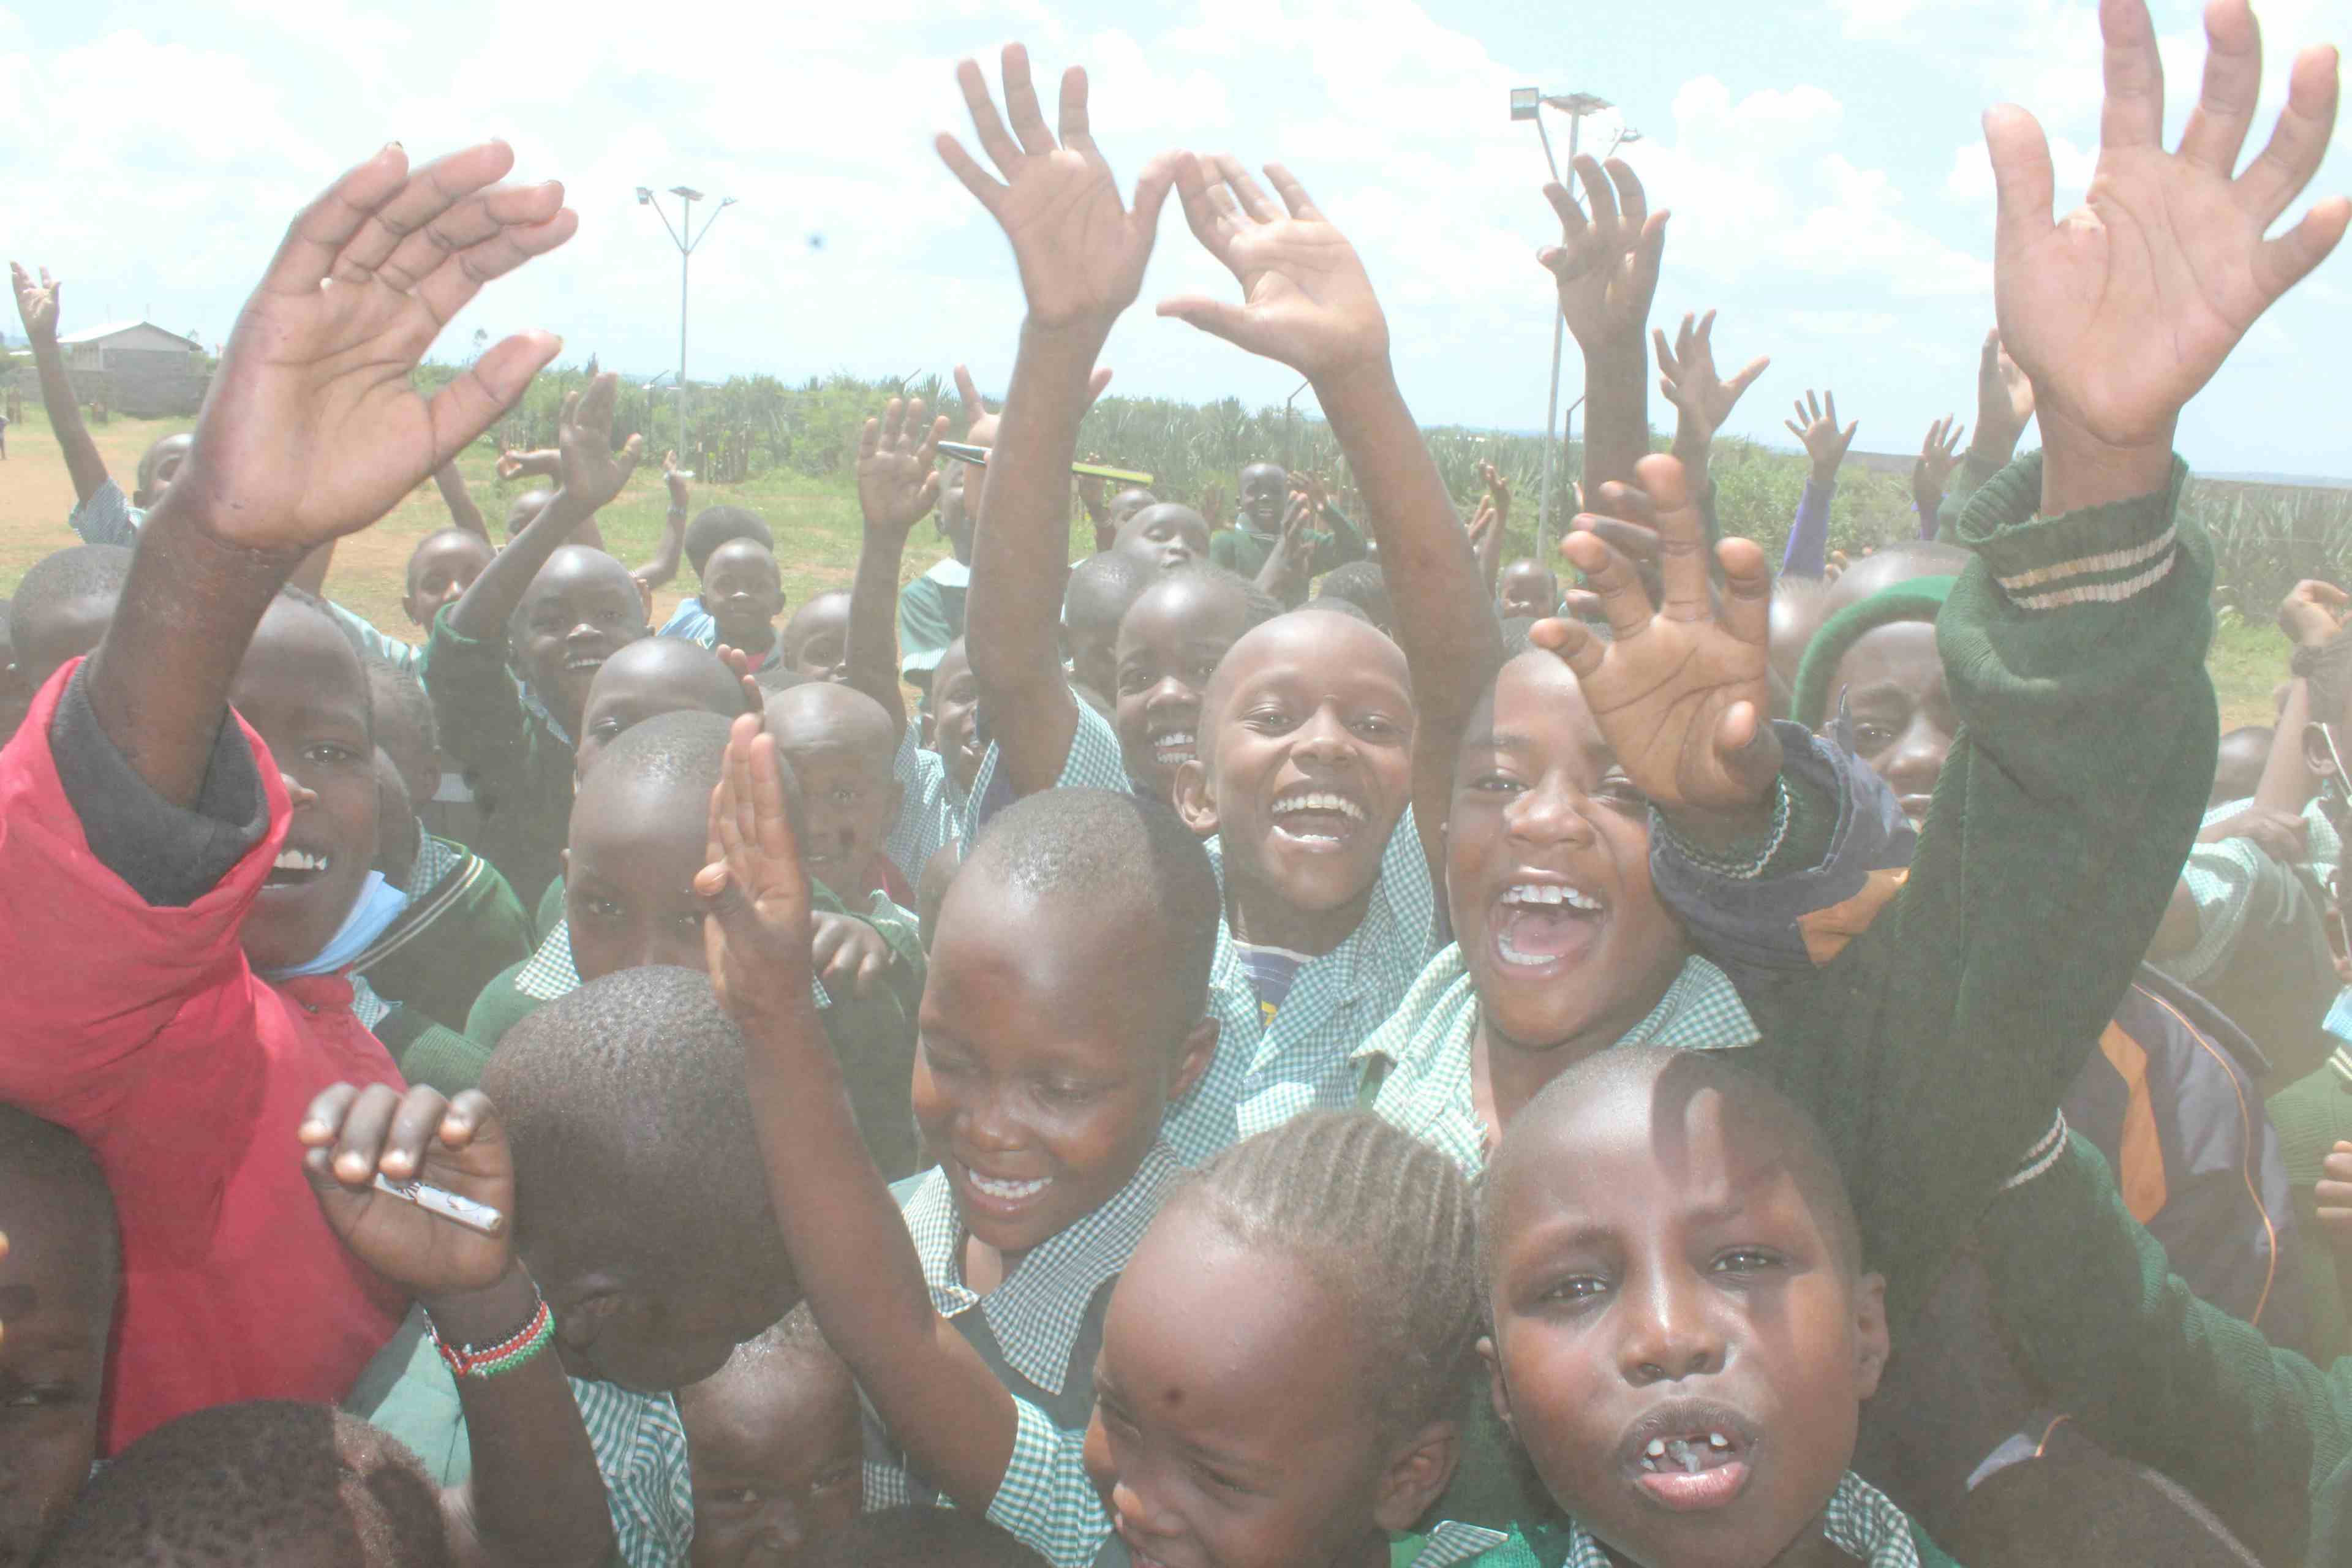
2151	1372
477	708
1936	1043
1808	554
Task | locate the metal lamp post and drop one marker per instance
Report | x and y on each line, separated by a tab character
1527	103
684	238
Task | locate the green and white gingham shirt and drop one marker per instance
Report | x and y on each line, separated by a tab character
2225	877
1035	1316
1266	1073
1859	1522
637	1441
1425	1048
930	809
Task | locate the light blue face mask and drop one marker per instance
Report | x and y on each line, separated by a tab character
378	905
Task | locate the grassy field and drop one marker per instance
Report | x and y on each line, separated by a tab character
816	521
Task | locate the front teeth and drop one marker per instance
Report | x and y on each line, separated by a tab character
1681	1453
1552	893
1009	1192
299	860
1174	746
1319	800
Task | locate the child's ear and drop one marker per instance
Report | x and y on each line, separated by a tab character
1417	1474
1498	1391
1871	1343
1195	803
1200	1050
585	1309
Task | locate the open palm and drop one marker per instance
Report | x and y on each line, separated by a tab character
754	886
898	477
1080	250
312	429
2120	313
1681	690
1305	301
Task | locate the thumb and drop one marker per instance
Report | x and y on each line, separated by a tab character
1746	748
1221	318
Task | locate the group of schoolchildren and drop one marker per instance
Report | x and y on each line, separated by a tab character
1309	1046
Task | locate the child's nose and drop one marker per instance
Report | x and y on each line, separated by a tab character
297	796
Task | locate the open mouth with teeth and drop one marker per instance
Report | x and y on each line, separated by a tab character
1697	1469
1535	923
1173	748
297	868
1002	1196
1322	819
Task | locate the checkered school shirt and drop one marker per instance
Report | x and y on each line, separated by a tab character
1426	1048
2222	877
1267	1072
1859	1522
551	972
107	517
640	1447
1035	1315
930	809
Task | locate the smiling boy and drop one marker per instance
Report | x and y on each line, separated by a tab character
512	660
170	857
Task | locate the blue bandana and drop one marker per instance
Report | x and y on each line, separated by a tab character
378	905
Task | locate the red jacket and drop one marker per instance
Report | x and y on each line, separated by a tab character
145	1031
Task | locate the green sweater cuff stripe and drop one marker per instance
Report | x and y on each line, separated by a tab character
2122	545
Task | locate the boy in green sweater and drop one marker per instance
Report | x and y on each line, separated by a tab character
547	614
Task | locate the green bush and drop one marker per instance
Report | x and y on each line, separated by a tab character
2265	537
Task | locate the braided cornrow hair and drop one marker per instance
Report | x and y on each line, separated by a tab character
1384	1222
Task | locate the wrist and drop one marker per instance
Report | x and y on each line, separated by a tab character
1994	445
1081	334
1824	476
482	1315
1363	379
2081	469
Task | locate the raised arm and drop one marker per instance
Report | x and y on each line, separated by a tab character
1702	400
1606	268
1809	537
2004	408
534	1495
593	474
897	485
663	567
1930	470
36	303
1306	303
1081	254
312	430
847	1239
463	512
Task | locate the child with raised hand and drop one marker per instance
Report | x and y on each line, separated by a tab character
528	1489
638	1218
775	1441
1825	445
102	514
897	483
511	661
636	841
159	866
970	1307
1287	1362
712	527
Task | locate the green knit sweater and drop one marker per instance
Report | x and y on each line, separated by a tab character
1936	1047
2261	1435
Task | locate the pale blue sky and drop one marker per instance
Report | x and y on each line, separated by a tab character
1822	158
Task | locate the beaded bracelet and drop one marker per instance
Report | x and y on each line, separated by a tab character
492	1361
